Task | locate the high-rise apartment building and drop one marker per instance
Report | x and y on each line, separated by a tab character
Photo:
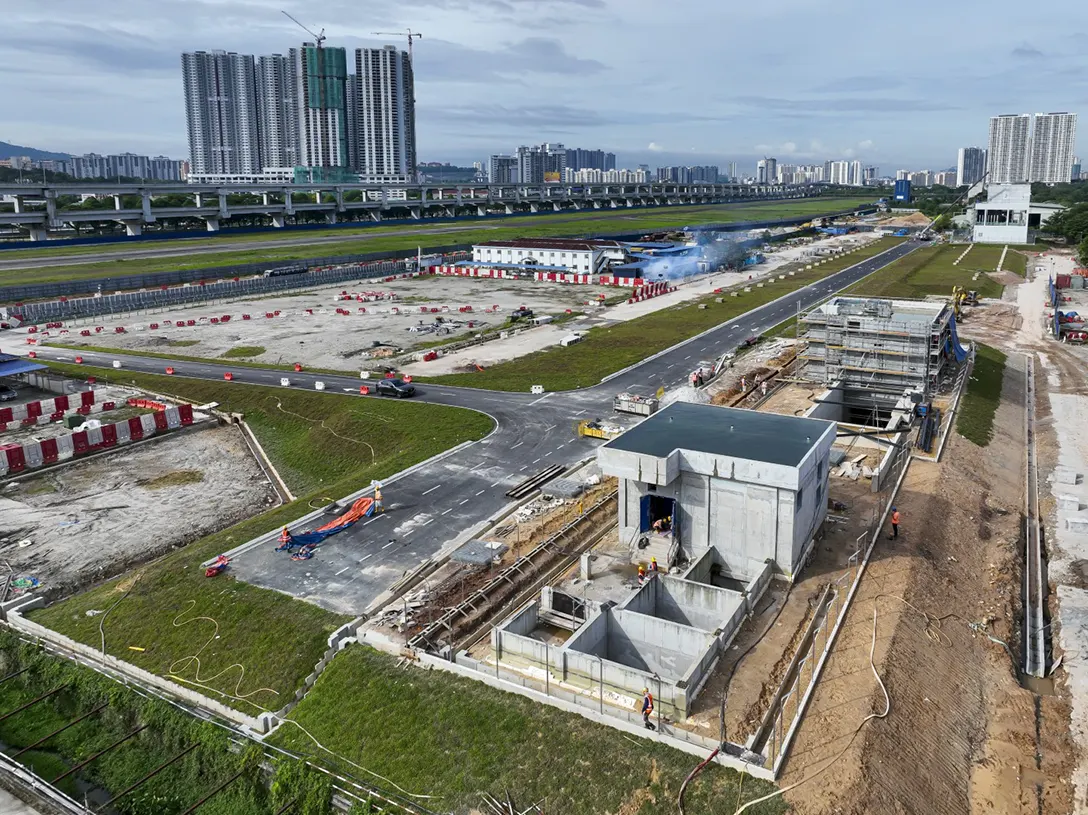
277	111
530	165
837	172
383	102
579	159
1053	138
221	112
766	170
1075	175
502	170
321	82
970	165
1007	156
733	171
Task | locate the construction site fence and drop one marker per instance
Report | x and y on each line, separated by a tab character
203	291
36	453
45	411
93	286
784	716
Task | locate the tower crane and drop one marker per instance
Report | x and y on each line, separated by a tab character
318	38
412	35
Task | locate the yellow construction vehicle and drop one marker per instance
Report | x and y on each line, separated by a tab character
959	298
595	430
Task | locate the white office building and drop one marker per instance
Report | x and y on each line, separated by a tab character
221	112
970	165
1007	156
383	99
1053	139
766	170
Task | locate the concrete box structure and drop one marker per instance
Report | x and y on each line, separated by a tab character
750	485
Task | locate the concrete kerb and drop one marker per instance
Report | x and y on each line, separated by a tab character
702	334
832	637
286	496
273	536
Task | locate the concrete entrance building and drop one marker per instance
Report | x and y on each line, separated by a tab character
750	486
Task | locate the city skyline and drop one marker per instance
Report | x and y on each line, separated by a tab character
559	82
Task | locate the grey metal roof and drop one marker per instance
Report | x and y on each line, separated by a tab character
722	431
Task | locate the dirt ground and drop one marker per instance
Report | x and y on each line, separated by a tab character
961	735
82	523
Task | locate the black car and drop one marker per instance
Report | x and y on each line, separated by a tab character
395	387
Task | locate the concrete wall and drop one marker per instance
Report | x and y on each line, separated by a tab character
630	500
810	504
688	603
831	411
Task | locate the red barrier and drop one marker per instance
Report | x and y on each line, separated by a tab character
33	410
119	330
91	380
5	415
86	398
269	315
245	317
364	390
228	376
170	371
135	428
60	404
154	326
79	443
190	323
32	330
298	366
109	435
407	378
98	329
160	420
49	450
79	360
32	354
225	318
185	413
86	332
109	405
14	455
214	321
84	411
56	417
276	313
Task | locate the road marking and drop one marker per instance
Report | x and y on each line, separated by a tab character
459	503
341	571
549	427
432	489
372	520
733	328
496	484
516	445
388	544
687	357
426	522
522	467
368	557
564	444
535	460
580	412
481	492
541	399
549	452
448	511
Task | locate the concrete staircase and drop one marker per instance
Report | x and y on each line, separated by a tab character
660	547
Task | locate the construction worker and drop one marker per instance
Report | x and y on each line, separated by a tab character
379	505
653	565
763	387
647	708
285	536
641	574
743	384
895	523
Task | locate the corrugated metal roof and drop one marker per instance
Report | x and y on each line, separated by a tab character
722	431
565	244
16	366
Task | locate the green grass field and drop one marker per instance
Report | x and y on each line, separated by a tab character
979	406
929	270
407	236
323	445
436	734
607	350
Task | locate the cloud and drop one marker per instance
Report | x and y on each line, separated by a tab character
866	144
654	147
844	105
1026	51
446	61
859	84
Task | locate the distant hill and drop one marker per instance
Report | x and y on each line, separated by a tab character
9	150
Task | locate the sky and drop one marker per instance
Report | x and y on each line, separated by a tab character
677	82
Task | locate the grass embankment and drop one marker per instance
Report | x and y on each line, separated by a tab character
168	731
606	350
437	734
930	270
407	236
324	445
979	406
243	351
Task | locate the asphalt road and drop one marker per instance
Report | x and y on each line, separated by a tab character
432	505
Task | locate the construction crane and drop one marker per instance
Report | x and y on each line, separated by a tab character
411	36
318	38
971	192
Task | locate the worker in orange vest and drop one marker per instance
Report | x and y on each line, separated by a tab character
641	574
379	505
647	708
895	523
285	536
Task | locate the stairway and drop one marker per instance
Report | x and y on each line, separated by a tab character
660	546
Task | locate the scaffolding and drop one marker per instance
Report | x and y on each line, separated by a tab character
872	344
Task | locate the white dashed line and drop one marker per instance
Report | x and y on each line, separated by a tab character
541	399
481	492
459	503
342	571
516	445
496	484
448	511
522	467
426	522
687	357
580	412
388	544
535	460
432	489
368	557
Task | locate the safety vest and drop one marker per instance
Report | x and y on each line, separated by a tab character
895	517
377	495
648	703
653	565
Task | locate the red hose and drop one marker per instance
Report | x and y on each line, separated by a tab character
691	776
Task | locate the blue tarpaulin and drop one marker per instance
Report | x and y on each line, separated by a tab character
954	346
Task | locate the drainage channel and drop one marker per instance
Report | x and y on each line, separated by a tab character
1037	644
